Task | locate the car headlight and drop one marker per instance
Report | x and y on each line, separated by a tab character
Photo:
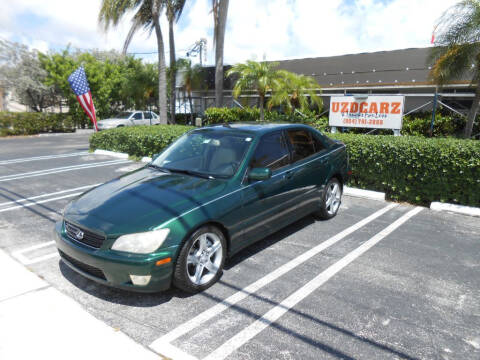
141	243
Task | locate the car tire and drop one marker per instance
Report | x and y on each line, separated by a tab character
200	262
331	200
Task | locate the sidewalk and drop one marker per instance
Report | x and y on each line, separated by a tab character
39	322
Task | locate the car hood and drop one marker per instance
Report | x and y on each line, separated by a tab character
141	200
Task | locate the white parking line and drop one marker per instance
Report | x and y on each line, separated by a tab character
257	285
40	202
46	157
20	254
60	169
18	201
275	313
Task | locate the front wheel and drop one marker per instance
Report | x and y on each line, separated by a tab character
331	200
201	260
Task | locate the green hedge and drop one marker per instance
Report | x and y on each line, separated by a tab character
29	123
138	140
416	124
414	169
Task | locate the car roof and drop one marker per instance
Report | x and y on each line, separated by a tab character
258	128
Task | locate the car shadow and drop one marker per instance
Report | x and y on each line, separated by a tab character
124	297
119	296
269	241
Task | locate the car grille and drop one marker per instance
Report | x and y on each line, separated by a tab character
91	270
89	238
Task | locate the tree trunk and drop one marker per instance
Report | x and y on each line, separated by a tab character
472	114
219	42
162	73
262	100
173	70
191	106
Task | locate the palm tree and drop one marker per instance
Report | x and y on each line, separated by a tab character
457	50
174	9
295	92
220	11
191	78
257	76
147	16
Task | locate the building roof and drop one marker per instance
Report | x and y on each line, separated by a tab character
405	66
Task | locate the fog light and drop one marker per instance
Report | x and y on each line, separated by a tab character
140	280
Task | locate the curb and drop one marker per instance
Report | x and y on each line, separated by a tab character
457	209
111	153
365	194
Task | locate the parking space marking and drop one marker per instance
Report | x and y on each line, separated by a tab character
18	201
61	169
20	254
40	202
275	313
46	157
265	280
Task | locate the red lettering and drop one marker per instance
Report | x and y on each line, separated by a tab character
396	108
353	107
344	107
363	107
335	106
373	108
383	108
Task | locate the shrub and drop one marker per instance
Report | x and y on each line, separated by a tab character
28	123
138	140
230	115
415	169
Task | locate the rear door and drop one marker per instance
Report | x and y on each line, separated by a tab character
148	118
309	167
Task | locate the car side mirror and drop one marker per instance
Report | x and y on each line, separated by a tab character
257	174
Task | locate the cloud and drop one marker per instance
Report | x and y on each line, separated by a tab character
274	29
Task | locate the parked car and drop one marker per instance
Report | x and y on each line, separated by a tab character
129	118
208	195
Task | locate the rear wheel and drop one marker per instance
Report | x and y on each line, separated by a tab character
201	260
331	199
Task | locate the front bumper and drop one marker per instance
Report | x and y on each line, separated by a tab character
113	268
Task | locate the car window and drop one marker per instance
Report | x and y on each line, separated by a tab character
303	144
271	152
137	116
147	115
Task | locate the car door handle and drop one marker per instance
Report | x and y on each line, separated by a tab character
289	174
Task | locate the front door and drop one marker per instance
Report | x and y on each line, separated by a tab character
265	202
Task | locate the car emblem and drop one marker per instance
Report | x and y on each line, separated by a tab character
79	235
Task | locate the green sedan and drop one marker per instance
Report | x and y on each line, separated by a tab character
208	195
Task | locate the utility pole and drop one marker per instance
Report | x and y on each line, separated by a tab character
198	48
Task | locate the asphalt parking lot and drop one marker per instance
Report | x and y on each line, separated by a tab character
379	281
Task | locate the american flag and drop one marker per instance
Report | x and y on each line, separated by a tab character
79	84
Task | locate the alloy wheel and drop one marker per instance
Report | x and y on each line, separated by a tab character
204	258
334	196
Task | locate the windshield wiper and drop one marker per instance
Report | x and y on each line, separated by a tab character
159	168
192	173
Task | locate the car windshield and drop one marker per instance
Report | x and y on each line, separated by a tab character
123	115
205	153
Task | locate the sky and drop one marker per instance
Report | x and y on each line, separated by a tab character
256	29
